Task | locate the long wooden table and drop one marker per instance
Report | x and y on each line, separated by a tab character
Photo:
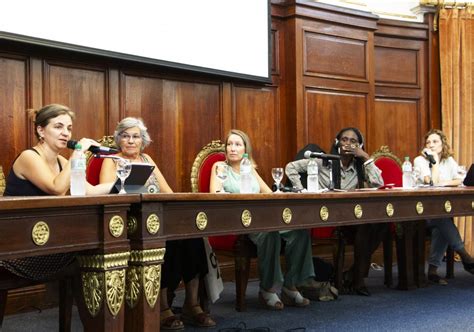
161	217
96	227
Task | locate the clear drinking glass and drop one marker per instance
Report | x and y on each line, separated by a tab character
277	174
222	172
462	171
124	167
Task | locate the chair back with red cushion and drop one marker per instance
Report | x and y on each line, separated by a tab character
390	165
200	182
94	165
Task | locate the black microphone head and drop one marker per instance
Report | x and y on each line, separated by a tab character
71	144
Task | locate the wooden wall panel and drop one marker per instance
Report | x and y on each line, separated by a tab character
257	113
328	112
181	118
396	123
397	66
13	105
335	56
84	91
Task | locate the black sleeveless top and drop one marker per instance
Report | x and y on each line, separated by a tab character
16	186
37	267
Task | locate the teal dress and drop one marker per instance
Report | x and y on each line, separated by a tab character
298	255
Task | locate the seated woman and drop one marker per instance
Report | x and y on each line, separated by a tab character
443	231
184	259
355	170
299	263
41	171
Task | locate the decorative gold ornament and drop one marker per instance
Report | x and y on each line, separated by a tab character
390	209
115	290
153	224
287	215
134	286
201	221
104	262
358	211
116	226
151	281
92	290
419	208
132	224
149	255
447	206
324	213
246	218
40	233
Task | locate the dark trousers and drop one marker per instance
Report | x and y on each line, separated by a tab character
184	259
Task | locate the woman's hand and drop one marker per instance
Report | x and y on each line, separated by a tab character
355	150
86	143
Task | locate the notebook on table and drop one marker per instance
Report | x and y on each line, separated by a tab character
135	183
469	179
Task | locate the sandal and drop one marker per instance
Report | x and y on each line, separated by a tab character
270	300
436	279
194	316
293	298
169	322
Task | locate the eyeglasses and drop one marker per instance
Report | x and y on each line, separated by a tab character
127	137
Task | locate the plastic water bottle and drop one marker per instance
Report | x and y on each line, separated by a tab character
313	176
78	172
245	175
407	173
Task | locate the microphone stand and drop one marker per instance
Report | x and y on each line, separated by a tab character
431	173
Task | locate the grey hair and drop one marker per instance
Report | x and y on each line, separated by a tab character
131	122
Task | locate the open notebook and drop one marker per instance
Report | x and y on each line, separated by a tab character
135	183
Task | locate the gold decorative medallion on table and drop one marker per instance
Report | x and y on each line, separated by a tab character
132	224
246	218
358	211
287	215
390	209
151	282
116	226
447	206
40	233
419	208
115	290
153	224
201	221
92	286
324	213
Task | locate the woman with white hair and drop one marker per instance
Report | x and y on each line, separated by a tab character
184	259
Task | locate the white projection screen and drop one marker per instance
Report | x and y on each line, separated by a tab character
230	38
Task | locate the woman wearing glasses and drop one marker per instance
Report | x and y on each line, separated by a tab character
184	259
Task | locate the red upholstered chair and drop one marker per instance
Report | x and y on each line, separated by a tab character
237	246
391	168
95	164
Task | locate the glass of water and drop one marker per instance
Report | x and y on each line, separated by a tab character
124	167
222	172
277	174
462	171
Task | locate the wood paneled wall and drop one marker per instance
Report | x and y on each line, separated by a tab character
331	68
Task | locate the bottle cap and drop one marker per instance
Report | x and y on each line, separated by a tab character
78	146
246	155
407	158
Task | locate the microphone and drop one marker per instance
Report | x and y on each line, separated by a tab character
430	157
309	154
94	149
